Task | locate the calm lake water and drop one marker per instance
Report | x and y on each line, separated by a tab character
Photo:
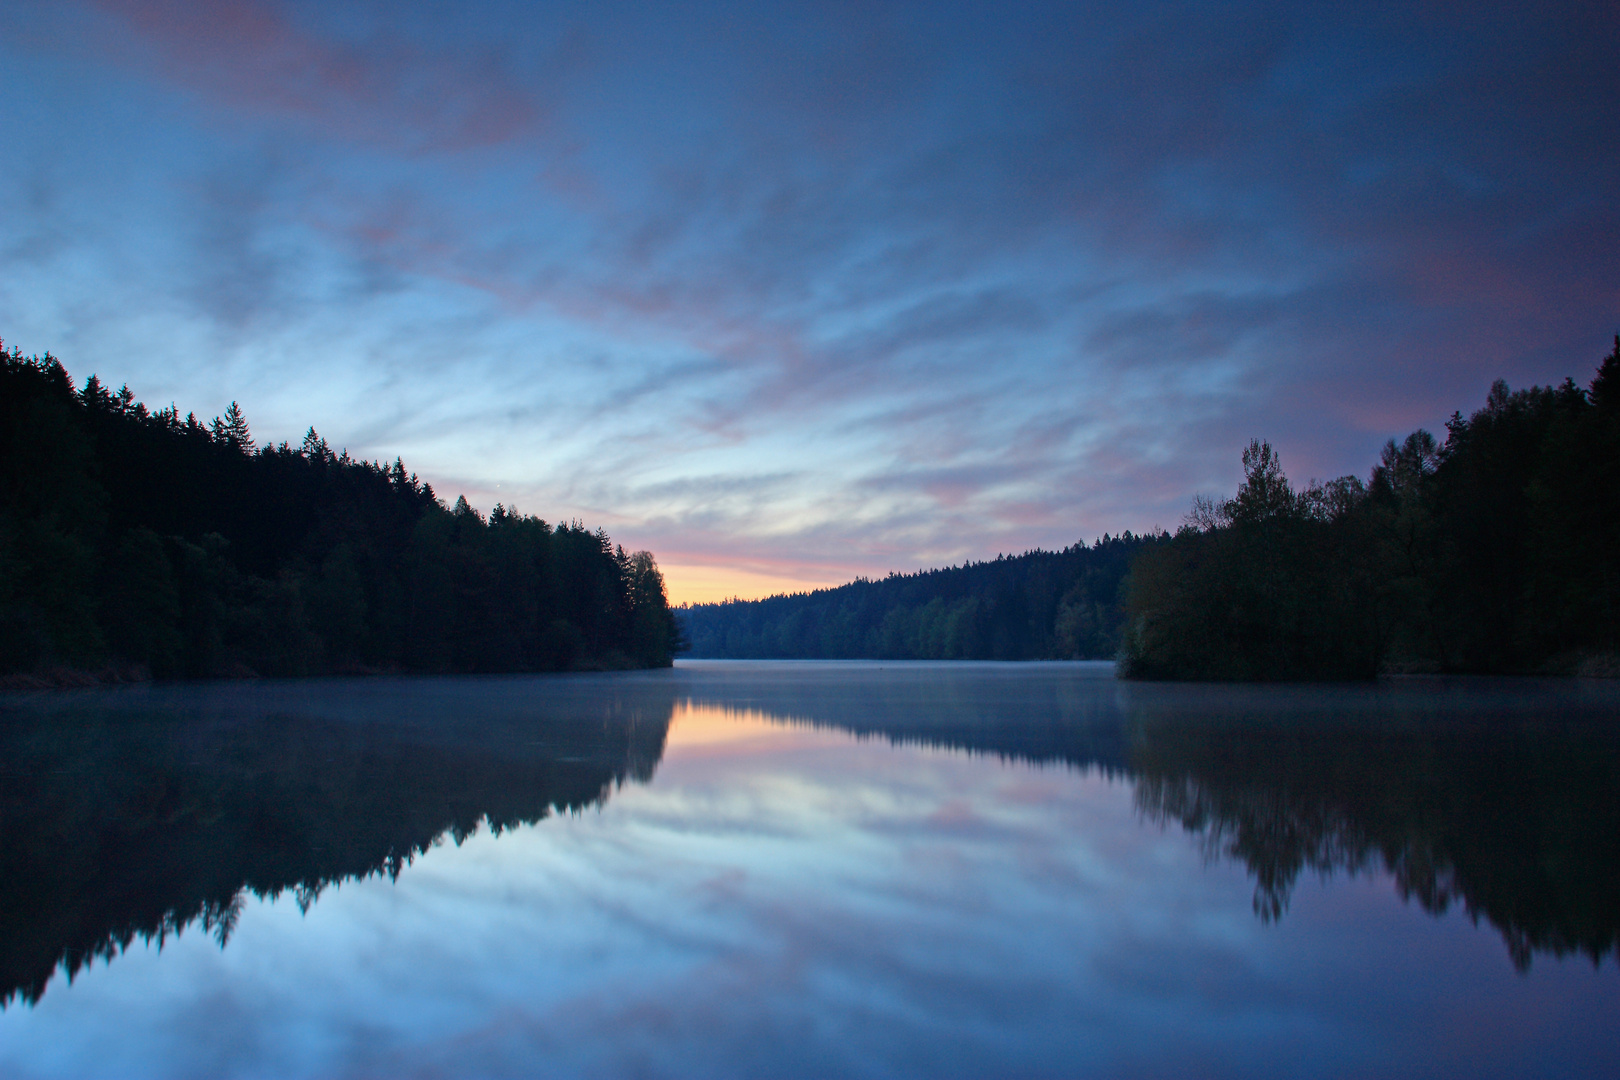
811	869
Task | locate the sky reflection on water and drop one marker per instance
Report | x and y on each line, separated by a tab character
785	897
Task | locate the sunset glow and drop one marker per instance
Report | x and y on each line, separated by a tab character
792	293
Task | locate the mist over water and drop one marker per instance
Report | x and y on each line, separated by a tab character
738	868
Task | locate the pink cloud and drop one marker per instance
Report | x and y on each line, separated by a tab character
248	54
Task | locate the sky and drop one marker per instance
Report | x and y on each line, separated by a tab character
791	293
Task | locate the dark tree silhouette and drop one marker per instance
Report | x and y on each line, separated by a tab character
1039	605
135	539
1496	551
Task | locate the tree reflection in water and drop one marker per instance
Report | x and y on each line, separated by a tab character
1519	825
1499	795
133	817
128	823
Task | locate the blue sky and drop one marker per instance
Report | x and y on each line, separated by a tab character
790	293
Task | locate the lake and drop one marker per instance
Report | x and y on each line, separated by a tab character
811	869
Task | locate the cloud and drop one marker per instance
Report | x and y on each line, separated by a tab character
257	56
777	282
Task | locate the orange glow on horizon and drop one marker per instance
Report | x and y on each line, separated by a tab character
693	583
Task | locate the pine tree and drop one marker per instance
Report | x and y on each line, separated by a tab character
315	447
233	430
1606	386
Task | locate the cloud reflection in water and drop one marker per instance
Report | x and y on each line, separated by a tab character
778	897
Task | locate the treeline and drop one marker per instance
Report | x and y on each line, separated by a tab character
1039	605
1495	551
142	541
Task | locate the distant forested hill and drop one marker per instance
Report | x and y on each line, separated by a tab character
1039	605
141	540
1497	550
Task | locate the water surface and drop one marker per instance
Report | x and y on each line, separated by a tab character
784	869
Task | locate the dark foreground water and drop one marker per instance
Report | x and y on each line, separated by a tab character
736	869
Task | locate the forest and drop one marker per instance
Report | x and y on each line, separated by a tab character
1496	551
1035	606
137	543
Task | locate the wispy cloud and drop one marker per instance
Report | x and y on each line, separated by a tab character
372	86
818	285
